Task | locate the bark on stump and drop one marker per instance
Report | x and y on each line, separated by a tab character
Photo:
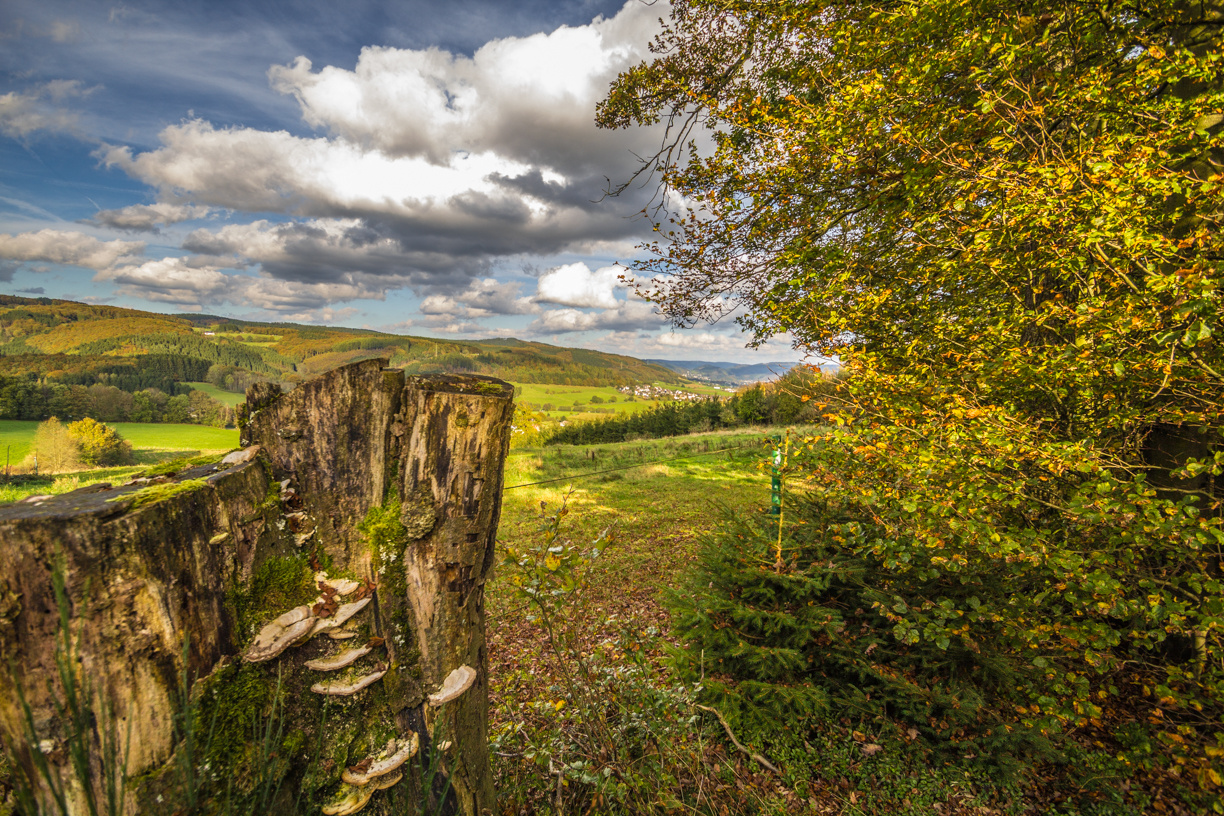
372	477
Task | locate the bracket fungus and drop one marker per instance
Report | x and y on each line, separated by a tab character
455	684
342	614
347	689
341	586
341	660
384	782
352	800
392	757
303	622
240	456
280	634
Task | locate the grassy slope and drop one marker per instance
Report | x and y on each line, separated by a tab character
160	437
658	511
224	397
15	438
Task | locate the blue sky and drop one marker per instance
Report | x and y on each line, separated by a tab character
423	168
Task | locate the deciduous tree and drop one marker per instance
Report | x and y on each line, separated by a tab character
54	450
1006	220
99	444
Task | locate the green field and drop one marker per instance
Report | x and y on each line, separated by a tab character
564	397
573	402
224	397
698	388
151	442
15	438
165	437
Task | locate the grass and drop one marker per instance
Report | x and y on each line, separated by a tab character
224	397
573	402
659	505
565	397
164	437
16	436
151	441
698	388
607	727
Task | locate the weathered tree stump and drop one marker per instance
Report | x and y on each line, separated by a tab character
390	486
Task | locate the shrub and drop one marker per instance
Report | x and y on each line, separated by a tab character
996	594
100	445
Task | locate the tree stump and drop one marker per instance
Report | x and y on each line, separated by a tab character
330	583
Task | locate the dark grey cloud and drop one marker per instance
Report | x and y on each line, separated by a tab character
322	251
481	298
147	217
584	194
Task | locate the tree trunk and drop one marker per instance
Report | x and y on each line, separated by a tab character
392	488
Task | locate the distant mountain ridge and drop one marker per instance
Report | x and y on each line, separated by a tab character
726	373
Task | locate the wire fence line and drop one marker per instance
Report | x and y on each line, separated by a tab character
629	467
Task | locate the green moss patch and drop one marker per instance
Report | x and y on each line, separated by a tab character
173	466
278	585
160	492
234	706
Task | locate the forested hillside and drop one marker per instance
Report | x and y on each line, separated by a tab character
48	346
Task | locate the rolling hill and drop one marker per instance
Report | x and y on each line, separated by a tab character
727	373
81	344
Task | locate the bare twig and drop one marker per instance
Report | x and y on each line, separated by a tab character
758	758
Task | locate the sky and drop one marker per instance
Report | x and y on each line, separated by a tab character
415	167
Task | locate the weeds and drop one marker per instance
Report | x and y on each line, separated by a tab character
611	734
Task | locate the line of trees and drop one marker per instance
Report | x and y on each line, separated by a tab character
161	371
191	346
31	399
785	402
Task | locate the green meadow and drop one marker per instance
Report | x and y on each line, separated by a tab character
152	442
657	497
563	398
573	402
15	438
224	397
163	438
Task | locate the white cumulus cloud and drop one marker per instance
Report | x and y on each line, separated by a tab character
444	161
190	284
576	285
483	298
72	248
628	315
524	98
173	280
